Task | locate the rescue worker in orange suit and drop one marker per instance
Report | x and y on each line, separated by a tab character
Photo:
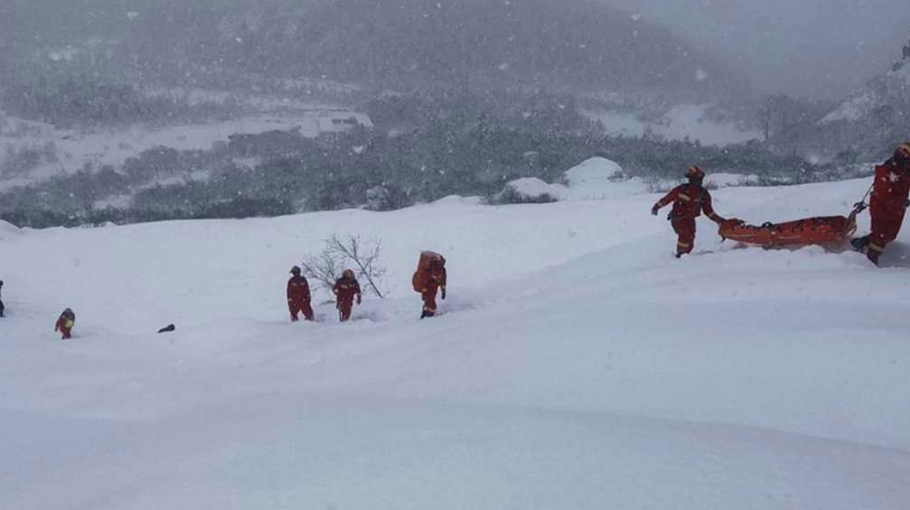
346	289
299	296
435	282
887	204
65	323
689	200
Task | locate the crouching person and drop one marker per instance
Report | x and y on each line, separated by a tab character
65	323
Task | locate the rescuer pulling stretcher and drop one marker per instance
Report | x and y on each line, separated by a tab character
689	200
887	205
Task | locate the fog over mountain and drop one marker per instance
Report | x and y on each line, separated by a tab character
806	48
138	110
399	44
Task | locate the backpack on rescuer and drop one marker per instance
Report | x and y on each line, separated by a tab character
427	260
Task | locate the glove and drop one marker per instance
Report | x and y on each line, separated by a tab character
358	299
443	294
654	210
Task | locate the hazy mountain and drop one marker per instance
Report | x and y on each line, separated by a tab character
867	124
575	44
809	49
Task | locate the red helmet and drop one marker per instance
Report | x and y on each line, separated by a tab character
695	173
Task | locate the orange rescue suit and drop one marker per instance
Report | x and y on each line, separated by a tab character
436	280
888	203
689	200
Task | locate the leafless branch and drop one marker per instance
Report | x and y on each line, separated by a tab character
339	251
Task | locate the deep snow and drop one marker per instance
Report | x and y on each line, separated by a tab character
578	365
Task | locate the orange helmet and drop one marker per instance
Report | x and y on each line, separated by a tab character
695	173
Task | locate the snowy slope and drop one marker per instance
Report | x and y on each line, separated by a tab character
892	88
680	122
578	365
68	150
599	178
868	123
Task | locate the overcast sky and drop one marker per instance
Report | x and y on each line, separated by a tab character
810	48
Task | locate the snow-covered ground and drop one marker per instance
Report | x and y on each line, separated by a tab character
577	365
683	121
602	179
71	149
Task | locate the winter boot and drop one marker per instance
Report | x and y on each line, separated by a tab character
873	255
860	243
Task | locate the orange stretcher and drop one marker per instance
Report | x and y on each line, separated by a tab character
820	230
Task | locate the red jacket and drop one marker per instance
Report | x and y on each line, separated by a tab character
890	190
345	290
298	290
689	200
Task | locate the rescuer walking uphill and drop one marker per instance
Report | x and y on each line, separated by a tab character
689	200
299	296
346	289
429	279
887	204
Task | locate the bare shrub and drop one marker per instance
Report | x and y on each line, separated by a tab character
343	252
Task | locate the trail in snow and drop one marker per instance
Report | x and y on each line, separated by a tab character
578	365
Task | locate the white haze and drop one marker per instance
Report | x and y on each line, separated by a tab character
808	48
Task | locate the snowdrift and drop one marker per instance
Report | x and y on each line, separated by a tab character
594	179
601	179
577	364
